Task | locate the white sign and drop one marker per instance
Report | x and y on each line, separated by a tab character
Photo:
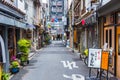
69	65
74	77
94	58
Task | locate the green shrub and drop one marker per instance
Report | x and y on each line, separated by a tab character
5	76
24	45
14	64
47	38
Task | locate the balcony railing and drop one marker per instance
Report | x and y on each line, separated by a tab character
53	3
84	10
59	10
59	3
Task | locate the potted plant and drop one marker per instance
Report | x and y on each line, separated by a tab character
24	47
47	39
14	67
5	76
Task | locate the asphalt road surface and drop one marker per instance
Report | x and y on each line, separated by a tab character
54	62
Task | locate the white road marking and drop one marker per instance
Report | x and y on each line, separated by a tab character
69	64
74	77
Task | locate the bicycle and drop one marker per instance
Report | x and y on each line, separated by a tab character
84	56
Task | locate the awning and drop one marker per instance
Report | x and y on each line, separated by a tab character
20	24
30	26
5	19
91	19
109	7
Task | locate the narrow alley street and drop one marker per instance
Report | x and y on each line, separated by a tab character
54	62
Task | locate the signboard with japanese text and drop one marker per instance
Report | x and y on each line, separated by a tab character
104	60
94	58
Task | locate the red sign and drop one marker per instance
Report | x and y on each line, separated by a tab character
52	20
83	22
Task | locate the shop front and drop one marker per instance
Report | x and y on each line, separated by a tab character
109	38
118	45
109	25
2	52
10	32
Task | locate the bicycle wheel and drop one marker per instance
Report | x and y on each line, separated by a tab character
86	60
81	56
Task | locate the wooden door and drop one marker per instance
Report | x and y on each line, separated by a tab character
118	51
109	39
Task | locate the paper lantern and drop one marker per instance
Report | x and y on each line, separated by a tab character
83	22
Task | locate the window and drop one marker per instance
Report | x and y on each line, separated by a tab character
111	18
106	36
110	38
104	19
109	31
118	17
26	6
119	44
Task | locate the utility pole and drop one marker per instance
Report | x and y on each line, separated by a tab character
73	26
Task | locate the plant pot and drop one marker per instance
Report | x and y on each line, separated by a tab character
14	70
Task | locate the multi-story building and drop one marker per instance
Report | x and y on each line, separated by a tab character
56	9
57	16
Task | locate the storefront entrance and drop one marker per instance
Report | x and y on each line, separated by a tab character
118	51
109	39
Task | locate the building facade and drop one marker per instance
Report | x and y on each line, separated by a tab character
56	9
11	23
18	19
95	24
108	15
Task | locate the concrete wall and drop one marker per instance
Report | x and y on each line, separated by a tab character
30	11
21	5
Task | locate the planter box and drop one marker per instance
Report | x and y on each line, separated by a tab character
14	70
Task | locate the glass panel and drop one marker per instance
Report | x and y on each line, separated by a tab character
118	18
110	38
119	44
106	36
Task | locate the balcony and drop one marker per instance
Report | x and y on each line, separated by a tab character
84	10
59	10
59	3
53	3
